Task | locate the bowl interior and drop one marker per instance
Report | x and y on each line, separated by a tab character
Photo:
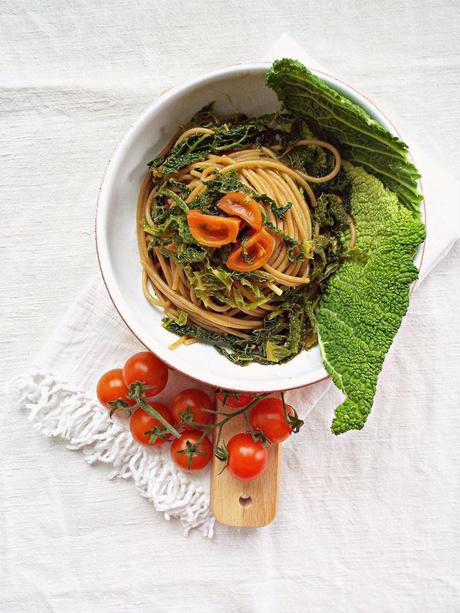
236	89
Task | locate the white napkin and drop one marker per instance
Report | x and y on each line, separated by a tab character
59	391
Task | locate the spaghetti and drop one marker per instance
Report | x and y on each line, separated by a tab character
201	297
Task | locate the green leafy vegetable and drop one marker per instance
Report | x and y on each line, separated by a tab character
278	211
173	239
183	189
197	146
365	301
362	139
177	199
221	184
315	161
225	285
330	210
276	353
176	223
191	150
244	253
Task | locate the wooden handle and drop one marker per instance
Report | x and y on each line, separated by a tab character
246	504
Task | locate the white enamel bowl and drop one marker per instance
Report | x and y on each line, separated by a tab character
238	88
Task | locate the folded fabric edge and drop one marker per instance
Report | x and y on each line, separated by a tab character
58	411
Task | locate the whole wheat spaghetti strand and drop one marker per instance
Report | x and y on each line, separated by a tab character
192	132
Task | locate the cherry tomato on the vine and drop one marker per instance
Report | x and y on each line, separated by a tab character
247	458
188	406
235	400
268	417
146	368
143	426
111	387
189	452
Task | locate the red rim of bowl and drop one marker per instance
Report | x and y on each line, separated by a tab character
216	73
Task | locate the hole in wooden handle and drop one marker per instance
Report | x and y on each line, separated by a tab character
245	500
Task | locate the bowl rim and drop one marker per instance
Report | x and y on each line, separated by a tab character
169	94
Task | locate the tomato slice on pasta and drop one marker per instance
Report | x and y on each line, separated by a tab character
212	230
241	205
253	252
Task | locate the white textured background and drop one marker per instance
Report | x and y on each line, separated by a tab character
380	535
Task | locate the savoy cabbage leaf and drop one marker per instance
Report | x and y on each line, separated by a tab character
366	299
334	117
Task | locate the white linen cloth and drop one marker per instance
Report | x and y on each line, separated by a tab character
363	456
60	390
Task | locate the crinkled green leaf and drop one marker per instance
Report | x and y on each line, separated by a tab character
366	299
332	116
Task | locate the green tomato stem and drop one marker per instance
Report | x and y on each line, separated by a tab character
228	416
156	415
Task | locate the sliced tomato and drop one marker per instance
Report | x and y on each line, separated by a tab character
257	251
241	205
212	230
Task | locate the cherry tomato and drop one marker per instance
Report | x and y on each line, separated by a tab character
147	369
212	230
268	417
141	422
241	205
235	400
111	387
259	248
192	402
247	458
188	453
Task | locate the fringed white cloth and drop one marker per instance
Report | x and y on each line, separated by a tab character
57	410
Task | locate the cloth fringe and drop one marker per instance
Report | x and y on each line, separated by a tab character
58	411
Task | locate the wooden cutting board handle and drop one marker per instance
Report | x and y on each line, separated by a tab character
246	504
